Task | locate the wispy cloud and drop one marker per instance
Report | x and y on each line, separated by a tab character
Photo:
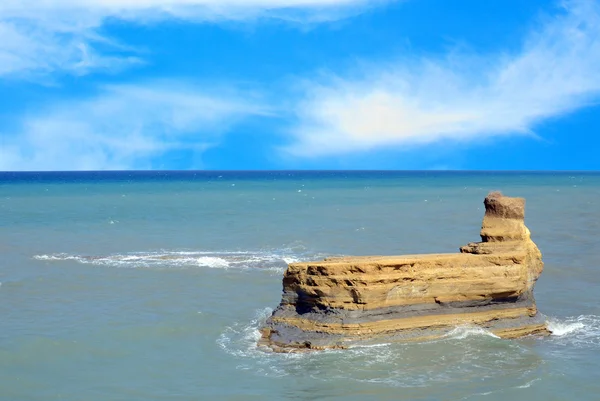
126	127
65	35
29	49
458	97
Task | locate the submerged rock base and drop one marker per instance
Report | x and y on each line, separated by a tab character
339	302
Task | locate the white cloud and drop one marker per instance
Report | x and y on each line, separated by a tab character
460	97
125	127
64	35
28	48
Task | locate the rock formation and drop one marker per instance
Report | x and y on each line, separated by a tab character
345	301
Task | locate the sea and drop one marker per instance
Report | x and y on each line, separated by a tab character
152	285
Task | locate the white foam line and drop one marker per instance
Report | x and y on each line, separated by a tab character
580	331
370	346
528	384
477	395
211	261
462	332
563	328
274	261
243	341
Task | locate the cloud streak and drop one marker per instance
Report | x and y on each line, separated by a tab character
461	97
126	127
65	35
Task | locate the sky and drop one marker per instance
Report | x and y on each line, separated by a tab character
299	84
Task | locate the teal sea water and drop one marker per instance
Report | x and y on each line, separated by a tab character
151	286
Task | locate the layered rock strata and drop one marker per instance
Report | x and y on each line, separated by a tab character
338	302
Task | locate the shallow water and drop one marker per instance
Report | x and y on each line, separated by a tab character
150	286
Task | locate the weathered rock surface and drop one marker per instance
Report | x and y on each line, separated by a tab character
345	301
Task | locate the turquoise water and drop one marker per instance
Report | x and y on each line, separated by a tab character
150	286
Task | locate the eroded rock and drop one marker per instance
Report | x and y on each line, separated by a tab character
345	301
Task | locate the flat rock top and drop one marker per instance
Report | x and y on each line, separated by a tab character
398	259
381	258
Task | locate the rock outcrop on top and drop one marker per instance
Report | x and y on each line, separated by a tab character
338	302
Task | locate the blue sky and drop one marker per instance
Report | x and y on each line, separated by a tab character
299	84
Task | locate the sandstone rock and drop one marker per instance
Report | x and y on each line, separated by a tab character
345	301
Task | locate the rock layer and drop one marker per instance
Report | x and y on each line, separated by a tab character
338	302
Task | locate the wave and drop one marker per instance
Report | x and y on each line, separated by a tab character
583	330
462	332
529	383
401	365
274	260
469	359
241	340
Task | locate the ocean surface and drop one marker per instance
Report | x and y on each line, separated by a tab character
151	286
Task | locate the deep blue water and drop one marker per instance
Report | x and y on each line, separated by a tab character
150	285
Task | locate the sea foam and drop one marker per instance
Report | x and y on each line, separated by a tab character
462	332
272	260
578	331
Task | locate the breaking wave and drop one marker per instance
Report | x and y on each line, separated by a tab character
579	331
241	340
275	260
471	352
462	332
